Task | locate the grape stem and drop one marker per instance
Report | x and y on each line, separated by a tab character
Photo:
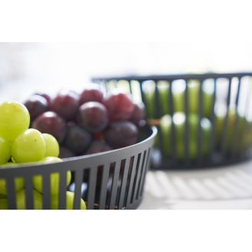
153	122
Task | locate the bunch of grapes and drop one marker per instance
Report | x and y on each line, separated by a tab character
88	122
21	145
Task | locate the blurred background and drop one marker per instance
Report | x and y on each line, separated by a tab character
25	67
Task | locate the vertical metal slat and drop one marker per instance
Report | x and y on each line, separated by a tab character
213	120
187	125
235	135
139	174
103	191
199	134
146	167
46	191
91	187
225	124
132	176
77	188
172	141
136	197
11	194
29	197
124	182
62	190
114	185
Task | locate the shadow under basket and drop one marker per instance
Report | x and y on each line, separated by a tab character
203	120
108	180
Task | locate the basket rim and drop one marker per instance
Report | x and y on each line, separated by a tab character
153	130
141	77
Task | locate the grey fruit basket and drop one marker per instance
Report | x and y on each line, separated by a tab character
109	180
230	137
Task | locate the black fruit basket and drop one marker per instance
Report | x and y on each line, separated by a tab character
212	109
109	180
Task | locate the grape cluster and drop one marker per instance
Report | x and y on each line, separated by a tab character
88	122
20	144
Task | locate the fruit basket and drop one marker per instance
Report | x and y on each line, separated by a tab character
107	180
203	120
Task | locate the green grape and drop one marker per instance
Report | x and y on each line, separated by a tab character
149	93
30	146
163	90
69	202
49	160
9	164
54	178
3	204
52	146
165	128
38	201
232	119
206	127
14	120
19	184
179	120
207	96
5	151
193	93
20	201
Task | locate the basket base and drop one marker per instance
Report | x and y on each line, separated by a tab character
161	163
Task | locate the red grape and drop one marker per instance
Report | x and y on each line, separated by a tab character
51	123
121	134
91	94
66	104
138	114
119	106
77	139
97	147
98	136
46	96
36	105
93	116
65	153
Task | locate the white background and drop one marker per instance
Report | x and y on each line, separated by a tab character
50	66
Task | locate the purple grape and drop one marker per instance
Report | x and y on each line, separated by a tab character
46	96
97	147
98	136
66	104
77	139
121	134
70	124
138	114
93	116
65	153
36	105
49	122
119	106
92	94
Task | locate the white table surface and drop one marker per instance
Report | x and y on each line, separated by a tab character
216	188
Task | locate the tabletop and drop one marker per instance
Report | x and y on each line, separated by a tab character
228	187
